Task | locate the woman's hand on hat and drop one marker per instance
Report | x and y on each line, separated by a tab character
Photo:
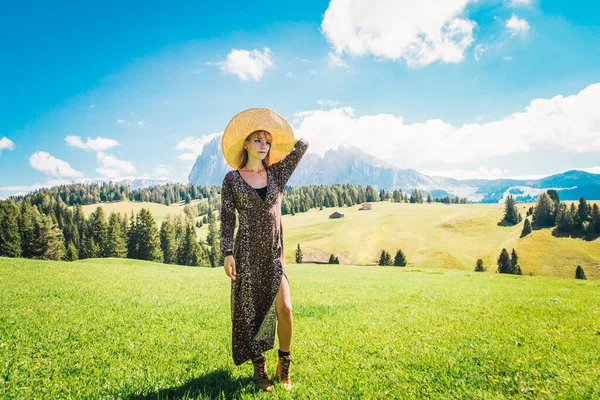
229	266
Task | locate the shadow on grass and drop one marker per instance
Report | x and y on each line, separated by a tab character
576	234
216	385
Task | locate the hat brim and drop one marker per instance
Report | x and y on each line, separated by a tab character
252	120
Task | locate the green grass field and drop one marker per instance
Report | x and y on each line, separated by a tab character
436	235
107	328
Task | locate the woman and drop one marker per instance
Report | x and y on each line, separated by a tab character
259	144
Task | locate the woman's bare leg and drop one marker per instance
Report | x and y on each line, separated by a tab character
283	305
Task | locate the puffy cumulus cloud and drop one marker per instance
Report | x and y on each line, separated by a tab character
517	25
418	32
50	165
569	124
247	64
193	146
98	144
6	144
111	167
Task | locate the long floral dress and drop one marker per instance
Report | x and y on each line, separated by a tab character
258	253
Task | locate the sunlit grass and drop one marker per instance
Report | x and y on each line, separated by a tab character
130	329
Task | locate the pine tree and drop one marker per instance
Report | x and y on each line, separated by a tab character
71	252
168	244
190	248
27	220
575	216
429	198
116	245
543	213
596	217
479	267
372	194
579	274
564	219
331	259
400	259
526	228
299	255
48	242
582	211
10	239
397	196
515	268
99	230
385	258
511	214
132	237
504	262
416	196
148	245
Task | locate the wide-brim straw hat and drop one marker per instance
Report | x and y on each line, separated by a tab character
250	121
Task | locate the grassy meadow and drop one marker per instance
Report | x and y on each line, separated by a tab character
436	235
113	328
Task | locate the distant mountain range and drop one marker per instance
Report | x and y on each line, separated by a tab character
352	165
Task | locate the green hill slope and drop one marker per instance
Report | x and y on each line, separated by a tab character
435	235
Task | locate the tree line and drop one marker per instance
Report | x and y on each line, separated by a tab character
581	220
295	200
93	193
302	198
54	231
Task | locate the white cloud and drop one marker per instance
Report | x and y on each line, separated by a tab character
461	174
6	144
507	58
50	165
141	124
517	25
569	124
327	103
418	32
247	64
304	60
334	60
98	144
193	146
517	3
592	170
478	51
122	121
111	167
161	171
289	75
313	72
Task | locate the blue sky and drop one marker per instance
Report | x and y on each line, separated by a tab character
458	88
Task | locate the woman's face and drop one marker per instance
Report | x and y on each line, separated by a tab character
258	145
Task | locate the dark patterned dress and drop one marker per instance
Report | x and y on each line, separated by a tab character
258	253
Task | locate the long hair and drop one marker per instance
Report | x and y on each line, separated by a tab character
244	153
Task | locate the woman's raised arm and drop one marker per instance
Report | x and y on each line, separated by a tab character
284	168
